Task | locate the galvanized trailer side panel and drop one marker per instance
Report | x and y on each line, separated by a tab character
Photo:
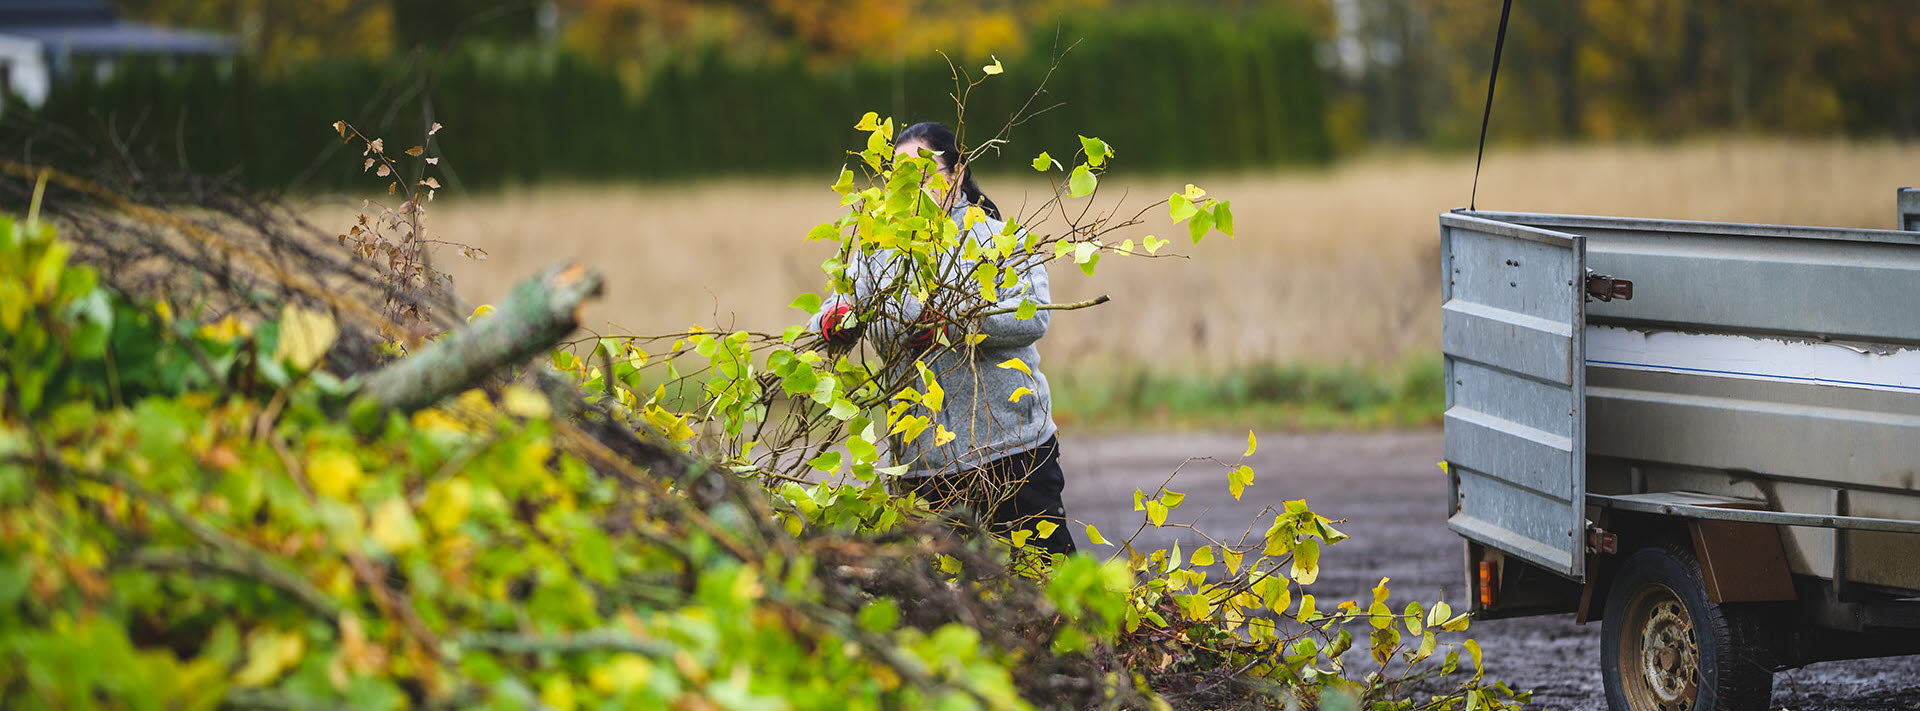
1909	216
1814	282
1762	430
1510	315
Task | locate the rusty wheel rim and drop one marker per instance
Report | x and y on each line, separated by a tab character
1659	662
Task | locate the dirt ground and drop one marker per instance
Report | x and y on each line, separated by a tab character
1391	493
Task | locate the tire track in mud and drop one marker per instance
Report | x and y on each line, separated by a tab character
1392	495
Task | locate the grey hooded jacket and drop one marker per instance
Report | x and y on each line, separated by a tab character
979	409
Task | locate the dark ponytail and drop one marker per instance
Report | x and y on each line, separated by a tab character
941	140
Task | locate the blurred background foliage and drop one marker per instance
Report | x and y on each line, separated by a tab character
656	89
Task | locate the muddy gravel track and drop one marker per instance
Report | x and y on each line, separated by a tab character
1392	495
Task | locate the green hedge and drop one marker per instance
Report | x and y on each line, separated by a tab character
1170	90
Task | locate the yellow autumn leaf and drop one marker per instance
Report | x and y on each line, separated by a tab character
935	397
305	336
868	122
1019	393
941	436
995	68
480	311
622	673
435	419
1157	512
333	473
1193	192
1094	537
448	503
270	653
557	693
393	526
225	329
1306	611
1045	528
973	216
1016	364
1202	557
522	401
1253	443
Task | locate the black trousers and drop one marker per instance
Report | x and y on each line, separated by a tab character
1021	489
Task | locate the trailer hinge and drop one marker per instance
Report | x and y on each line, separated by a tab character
1606	288
1599	540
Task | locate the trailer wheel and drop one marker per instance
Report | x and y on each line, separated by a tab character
1665	647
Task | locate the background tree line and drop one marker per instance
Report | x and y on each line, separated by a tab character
595	89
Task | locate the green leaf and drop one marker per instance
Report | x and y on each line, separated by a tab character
1097	150
1198	226
1223	217
1180	208
809	303
1094	537
594	552
828	462
1202	557
1028	309
1153	244
1277	595
882	614
1043	162
1084	251
1306	562
1088	266
862	450
1172	499
1081	182
823	231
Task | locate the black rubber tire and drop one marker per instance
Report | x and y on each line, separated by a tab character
1734	670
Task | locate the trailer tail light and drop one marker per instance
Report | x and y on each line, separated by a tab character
1486	584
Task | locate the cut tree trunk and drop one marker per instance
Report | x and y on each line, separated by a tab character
534	318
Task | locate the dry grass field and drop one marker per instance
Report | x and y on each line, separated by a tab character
1334	266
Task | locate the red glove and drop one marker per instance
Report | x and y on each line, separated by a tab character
834	326
925	332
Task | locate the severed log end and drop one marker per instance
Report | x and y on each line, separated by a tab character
536	315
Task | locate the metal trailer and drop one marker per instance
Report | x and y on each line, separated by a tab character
1704	435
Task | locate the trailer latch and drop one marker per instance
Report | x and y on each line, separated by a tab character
1606	288
1599	540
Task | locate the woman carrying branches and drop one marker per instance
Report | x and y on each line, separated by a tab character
992	444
